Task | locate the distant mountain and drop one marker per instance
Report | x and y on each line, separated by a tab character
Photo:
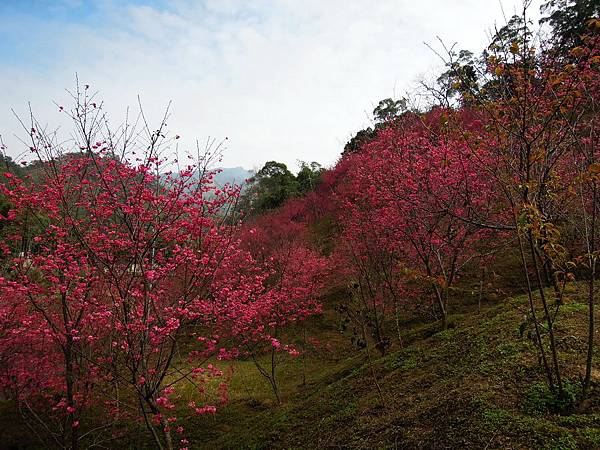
233	175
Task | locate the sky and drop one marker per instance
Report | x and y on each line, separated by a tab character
283	80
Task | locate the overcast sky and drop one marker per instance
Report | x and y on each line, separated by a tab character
284	80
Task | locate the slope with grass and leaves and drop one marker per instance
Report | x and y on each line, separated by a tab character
475	385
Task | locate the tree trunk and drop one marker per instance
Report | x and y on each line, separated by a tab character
591	294
166	433
71	427
547	314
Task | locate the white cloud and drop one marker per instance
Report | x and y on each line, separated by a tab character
284	80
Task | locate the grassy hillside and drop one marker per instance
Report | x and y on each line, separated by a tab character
477	385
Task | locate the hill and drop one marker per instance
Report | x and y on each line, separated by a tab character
476	385
232	175
473	386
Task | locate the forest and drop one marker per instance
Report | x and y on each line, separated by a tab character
434	288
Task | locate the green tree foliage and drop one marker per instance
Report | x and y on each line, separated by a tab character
358	140
461	79
466	78
8	165
568	19
274	184
516	31
308	176
388	109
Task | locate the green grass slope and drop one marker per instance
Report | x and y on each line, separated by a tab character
477	385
